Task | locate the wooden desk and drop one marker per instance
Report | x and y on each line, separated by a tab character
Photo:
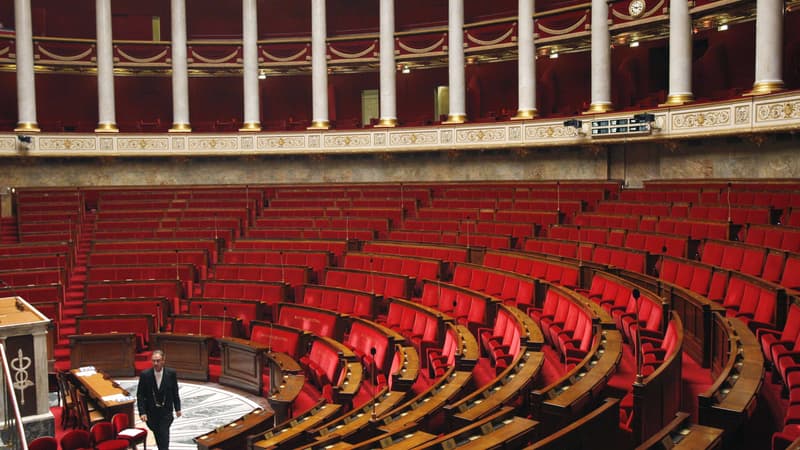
187	353
681	434
416	409
409	368
731	400
286	380
233	436
357	420
500	430
113	353
562	401
242	364
106	393
295	428
512	382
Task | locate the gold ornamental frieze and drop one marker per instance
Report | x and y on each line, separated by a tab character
413	138
704	119
269	142
8	144
216	143
539	132
778	111
136	143
481	135
66	144
347	140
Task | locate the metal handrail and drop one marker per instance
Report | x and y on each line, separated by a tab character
13	398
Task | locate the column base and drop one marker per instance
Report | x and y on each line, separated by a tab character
525	114
599	108
455	119
251	126
319	125
106	128
678	99
180	128
39	425
765	87
386	123
29	127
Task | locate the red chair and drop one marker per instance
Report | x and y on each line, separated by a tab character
43	443
76	440
123	430
104	438
770	337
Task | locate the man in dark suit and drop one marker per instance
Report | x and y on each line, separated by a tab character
156	397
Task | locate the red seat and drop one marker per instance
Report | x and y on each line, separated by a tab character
772	340
76	440
123	430
43	443
104	437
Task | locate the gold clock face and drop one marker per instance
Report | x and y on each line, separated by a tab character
636	8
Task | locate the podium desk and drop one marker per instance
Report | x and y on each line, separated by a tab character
187	353
106	393
233	436
286	380
242	364
113	353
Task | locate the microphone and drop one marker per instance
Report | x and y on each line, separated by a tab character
269	341
558	196
346	228
372	352
224	317
61	283
371	276
468	234
200	322
283	269
729	202
580	253
158	314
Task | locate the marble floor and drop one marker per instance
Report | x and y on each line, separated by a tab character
205	407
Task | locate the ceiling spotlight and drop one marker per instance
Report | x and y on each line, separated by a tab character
406	69
553	55
634	43
722	27
262	74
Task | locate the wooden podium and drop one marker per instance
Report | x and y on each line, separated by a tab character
242	364
113	353
23	335
186	353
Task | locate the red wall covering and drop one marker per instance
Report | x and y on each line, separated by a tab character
723	67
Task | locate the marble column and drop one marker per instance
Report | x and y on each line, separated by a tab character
601	59
106	113
680	54
388	80
319	67
26	86
769	47
455	62
526	63
180	69
252	120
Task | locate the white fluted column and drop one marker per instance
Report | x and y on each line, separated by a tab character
769	47
601	59
680	54
26	87
106	111
455	62
388	79
526	63
319	66
252	120
180	69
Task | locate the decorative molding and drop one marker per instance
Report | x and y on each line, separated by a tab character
745	116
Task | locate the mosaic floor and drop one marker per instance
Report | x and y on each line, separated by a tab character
205	406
